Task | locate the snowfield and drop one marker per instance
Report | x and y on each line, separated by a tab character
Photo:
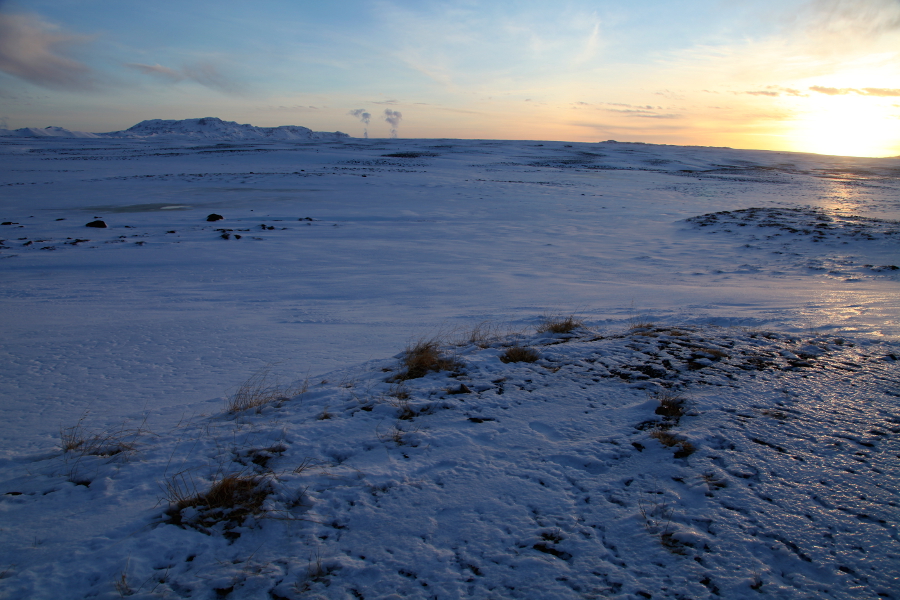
344	368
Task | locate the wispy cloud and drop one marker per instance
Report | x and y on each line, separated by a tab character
773	91
295	108
880	92
204	73
158	70
883	92
42	53
862	18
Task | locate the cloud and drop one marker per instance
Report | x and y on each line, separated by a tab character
204	73
158	71
862	18
773	91
40	53
883	92
880	92
295	108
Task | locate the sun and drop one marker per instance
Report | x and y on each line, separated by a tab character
848	125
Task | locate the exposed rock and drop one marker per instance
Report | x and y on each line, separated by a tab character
98	224
214	217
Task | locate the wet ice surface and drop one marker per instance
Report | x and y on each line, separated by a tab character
546	479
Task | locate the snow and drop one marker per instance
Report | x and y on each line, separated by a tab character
722	422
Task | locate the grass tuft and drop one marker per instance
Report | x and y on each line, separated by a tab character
116	441
515	354
670	440
557	324
671	404
260	390
423	357
229	500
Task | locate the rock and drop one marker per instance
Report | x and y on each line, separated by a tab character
214	217
98	224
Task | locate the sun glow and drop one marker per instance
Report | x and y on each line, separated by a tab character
849	125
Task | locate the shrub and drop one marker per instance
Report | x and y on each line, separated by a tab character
558	324
519	354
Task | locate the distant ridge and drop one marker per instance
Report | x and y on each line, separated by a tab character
34	132
207	128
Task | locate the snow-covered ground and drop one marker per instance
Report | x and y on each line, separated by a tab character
756	292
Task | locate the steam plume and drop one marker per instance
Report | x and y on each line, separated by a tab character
362	115
393	117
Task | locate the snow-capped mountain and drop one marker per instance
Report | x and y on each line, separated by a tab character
215	128
208	128
51	131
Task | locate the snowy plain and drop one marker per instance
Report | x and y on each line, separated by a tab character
756	290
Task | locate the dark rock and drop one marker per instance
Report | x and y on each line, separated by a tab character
98	224
214	217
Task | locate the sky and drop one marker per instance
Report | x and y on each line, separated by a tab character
817	76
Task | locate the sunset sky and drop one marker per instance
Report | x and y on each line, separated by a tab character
819	76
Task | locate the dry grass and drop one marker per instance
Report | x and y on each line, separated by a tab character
423	357
714	481
670	440
111	442
639	323
558	324
406	413
519	354
260	390
671	403
229	500
395	434
482	335
398	391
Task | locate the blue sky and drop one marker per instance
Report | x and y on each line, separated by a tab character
820	75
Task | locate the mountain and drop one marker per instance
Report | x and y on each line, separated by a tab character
208	128
212	128
34	132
